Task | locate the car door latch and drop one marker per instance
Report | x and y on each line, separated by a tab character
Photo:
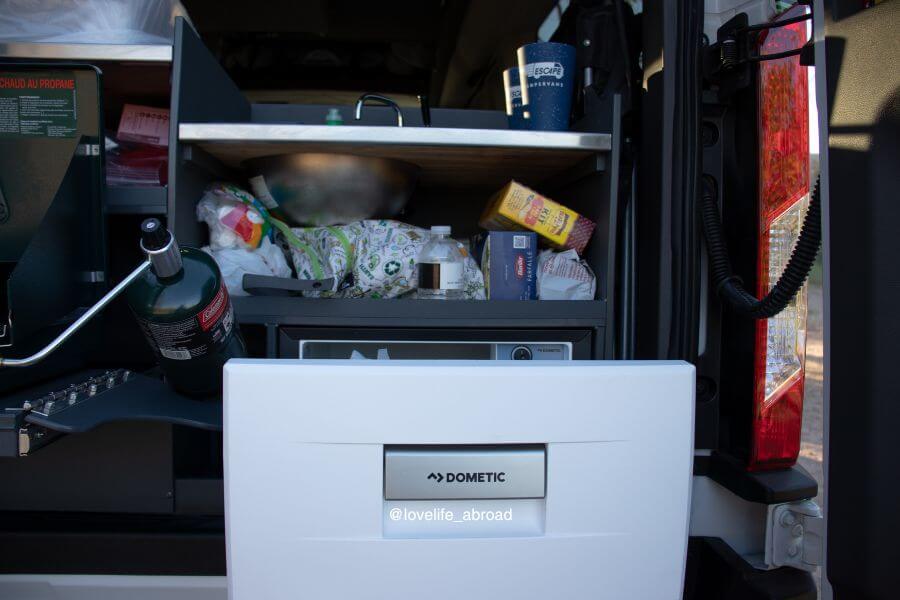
795	535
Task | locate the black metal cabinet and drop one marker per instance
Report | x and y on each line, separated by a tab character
214	127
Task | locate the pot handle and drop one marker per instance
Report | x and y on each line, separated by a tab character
267	285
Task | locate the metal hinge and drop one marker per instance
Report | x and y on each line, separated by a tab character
33	437
87	150
24	441
93	276
795	535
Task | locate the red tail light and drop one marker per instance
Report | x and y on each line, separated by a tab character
783	195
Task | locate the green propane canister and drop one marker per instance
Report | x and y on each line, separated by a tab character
183	308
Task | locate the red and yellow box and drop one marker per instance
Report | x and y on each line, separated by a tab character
516	207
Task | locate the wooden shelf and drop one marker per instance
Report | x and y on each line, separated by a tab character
158	53
453	157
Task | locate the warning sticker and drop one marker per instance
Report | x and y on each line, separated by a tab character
38	104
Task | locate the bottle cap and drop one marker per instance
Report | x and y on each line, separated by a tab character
440	229
153	235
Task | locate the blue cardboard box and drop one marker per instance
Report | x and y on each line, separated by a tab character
508	260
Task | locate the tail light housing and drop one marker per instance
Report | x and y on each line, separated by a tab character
780	352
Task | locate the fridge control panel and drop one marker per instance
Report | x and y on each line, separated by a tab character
434	350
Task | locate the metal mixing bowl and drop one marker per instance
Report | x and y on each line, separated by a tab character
331	189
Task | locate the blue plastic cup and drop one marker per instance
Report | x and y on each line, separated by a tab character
547	75
512	91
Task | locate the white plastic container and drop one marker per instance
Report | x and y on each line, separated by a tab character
441	267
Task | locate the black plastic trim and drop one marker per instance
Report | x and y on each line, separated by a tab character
765	487
701	465
194	496
95	544
349	312
716	571
136	200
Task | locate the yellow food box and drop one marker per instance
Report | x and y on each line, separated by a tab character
517	207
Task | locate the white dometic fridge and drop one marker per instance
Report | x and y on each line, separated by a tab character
448	480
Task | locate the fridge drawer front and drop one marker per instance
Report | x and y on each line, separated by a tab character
336	462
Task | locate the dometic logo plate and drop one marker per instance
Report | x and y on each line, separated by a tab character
468	477
463	472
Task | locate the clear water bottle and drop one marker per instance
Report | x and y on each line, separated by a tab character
441	267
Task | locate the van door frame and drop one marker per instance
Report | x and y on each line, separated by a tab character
858	87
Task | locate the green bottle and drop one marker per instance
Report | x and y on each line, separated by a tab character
183	308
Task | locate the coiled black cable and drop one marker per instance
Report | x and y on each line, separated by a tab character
730	288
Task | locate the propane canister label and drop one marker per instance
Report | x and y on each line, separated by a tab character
210	316
196	336
38	104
